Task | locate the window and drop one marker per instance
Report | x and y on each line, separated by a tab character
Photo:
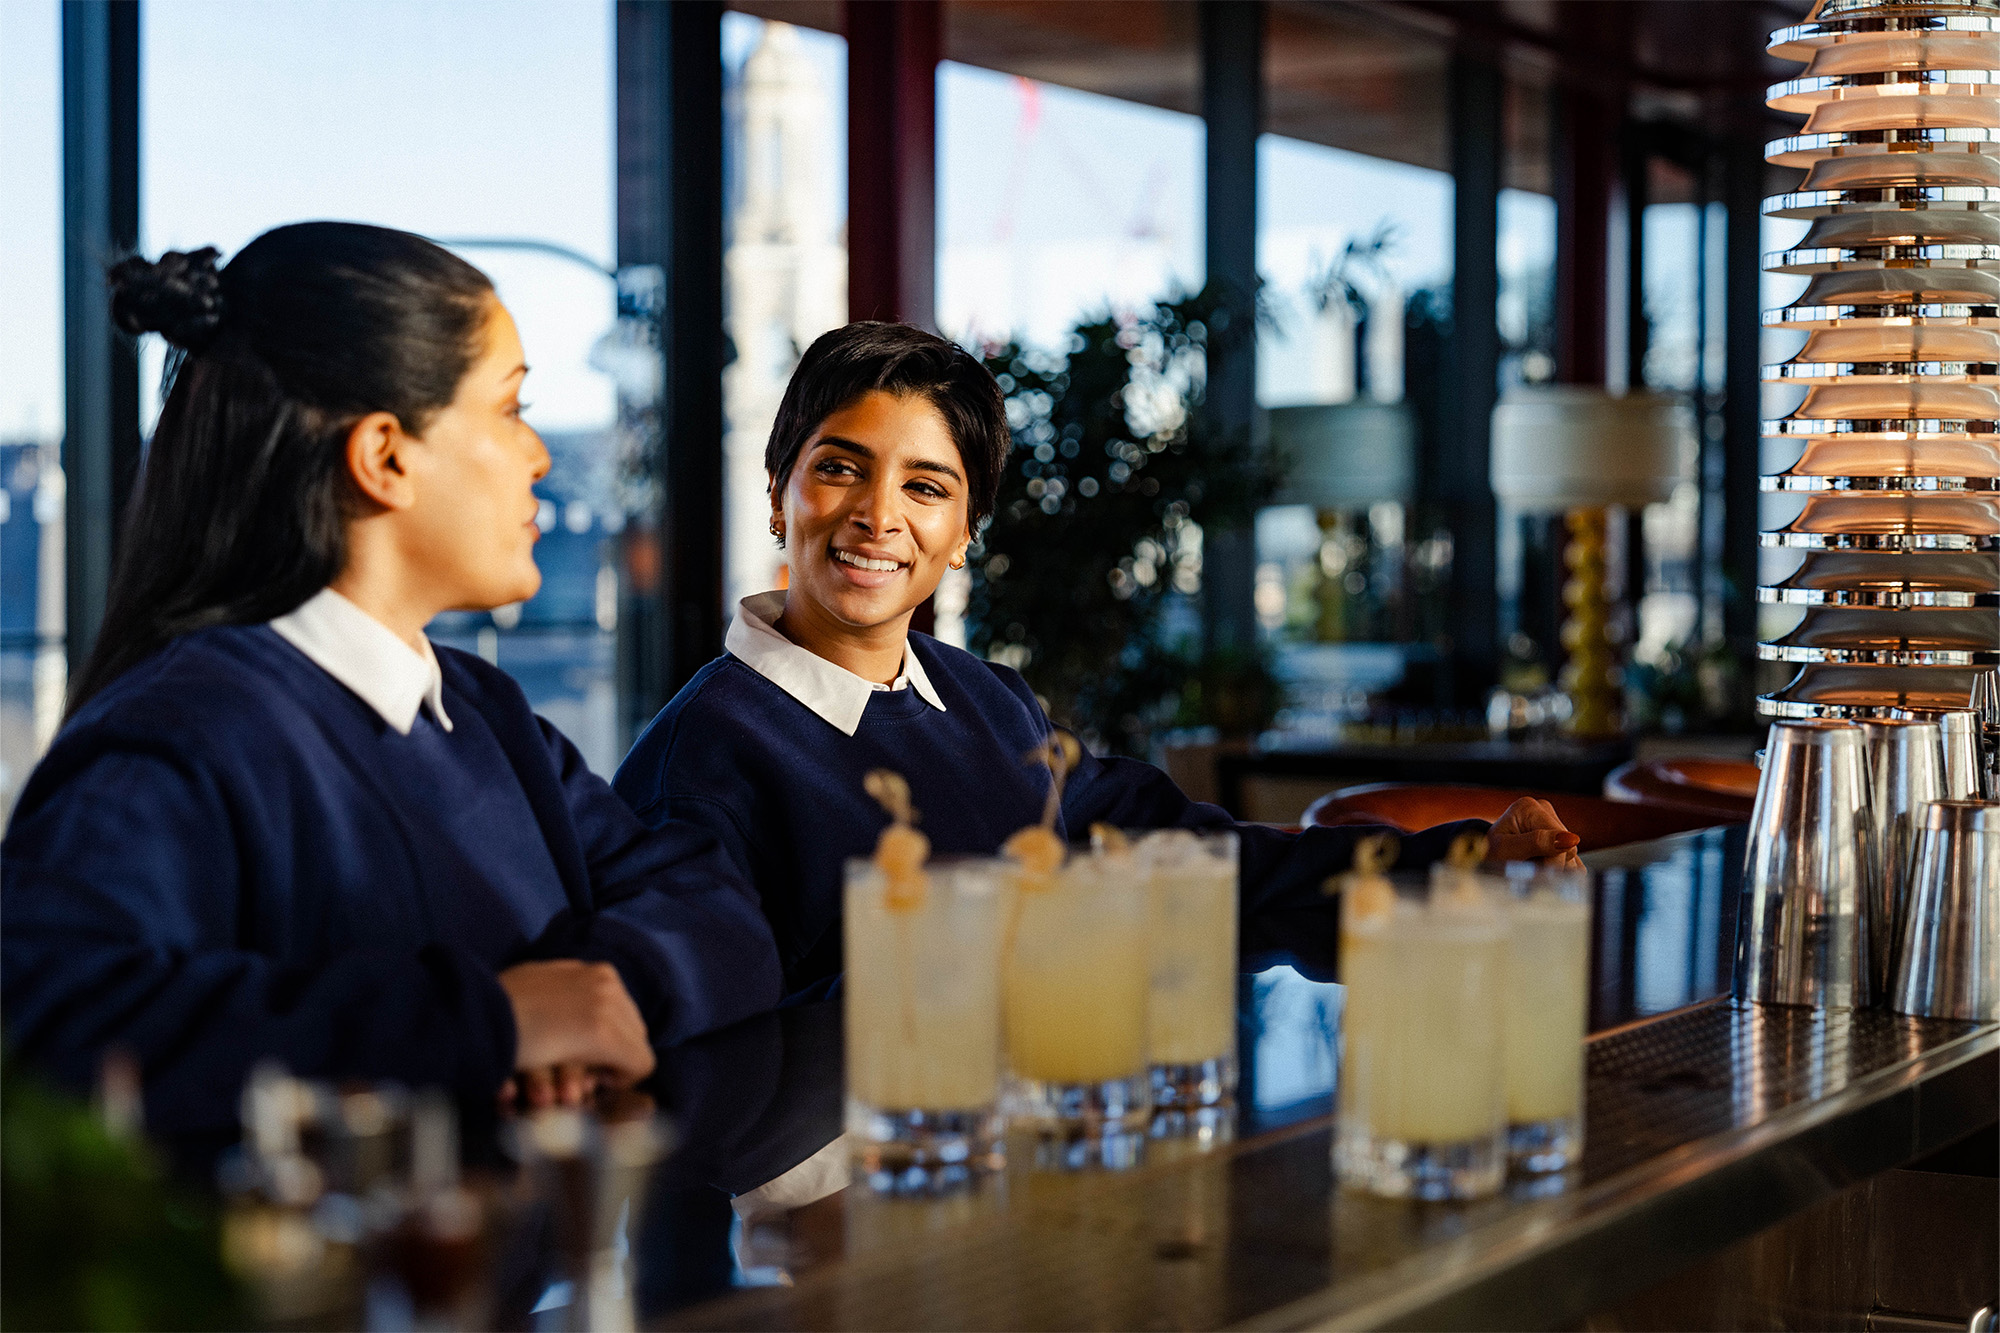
32	667
1527	245
785	256
1681	301
1054	204
1345	244
1527	307
1355	254
1069	186
1354	246
1069	164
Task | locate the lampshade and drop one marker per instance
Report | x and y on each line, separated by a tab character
1344	454
1897	443
1567	446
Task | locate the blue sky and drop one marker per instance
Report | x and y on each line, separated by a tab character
444	117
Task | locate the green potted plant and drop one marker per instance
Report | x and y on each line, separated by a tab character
1085	579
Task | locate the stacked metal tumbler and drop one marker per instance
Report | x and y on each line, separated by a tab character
1863	881
1898	436
1811	887
1947	962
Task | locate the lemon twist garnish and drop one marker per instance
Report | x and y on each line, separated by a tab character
892	792
1368	894
901	851
1038	848
1461	879
1467	851
1061	754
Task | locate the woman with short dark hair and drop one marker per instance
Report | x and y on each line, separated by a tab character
884	461
278	823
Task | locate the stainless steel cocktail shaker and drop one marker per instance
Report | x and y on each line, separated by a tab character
1948	955
1812	873
1962	759
1905	774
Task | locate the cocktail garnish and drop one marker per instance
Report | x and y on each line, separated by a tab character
1109	840
1375	854
1038	848
1460	887
1467	851
1061	753
901	851
1368	894
1039	851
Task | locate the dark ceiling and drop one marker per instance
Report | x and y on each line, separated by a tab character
1366	75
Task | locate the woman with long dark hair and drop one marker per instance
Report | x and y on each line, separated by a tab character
277	822
884	462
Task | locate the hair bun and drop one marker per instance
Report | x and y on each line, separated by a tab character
179	296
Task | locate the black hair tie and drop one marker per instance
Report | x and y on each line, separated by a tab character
179	296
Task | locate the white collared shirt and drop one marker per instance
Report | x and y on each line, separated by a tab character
365	655
821	1174
833	692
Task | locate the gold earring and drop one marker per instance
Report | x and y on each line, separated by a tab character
777	527
958	563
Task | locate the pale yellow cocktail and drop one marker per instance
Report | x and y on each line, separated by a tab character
1077	979
1422	1099
922	1000
1548	974
1076	987
1191	1017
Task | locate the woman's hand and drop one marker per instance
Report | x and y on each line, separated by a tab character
1529	831
534	1089
576	1027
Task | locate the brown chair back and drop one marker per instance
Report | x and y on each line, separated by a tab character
1411	806
1724	787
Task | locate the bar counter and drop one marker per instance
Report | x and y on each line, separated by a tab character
1705	1123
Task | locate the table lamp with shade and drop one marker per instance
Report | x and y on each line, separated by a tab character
1341	459
1578	450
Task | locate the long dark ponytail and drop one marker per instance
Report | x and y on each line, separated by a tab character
241	508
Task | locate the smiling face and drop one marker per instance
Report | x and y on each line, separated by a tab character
874	511
470	527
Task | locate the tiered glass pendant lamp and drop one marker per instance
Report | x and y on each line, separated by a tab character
1898	438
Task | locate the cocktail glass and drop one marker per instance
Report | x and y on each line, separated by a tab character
1076	987
1191	1010
1548	973
922	996
1423	1110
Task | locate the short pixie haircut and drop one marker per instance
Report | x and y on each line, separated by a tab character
850	361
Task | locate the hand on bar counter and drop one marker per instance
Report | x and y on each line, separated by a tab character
576	1027
1529	830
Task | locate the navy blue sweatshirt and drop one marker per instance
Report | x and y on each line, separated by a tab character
228	856
781	789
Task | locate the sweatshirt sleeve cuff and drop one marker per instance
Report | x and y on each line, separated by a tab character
486	1059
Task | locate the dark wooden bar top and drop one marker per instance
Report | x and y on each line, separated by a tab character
1705	1122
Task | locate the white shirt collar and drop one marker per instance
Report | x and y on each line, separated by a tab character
833	692
365	655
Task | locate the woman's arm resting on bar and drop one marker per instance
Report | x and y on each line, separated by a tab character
671	911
